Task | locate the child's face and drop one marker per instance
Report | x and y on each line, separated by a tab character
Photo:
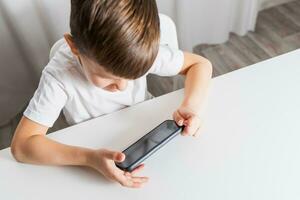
97	75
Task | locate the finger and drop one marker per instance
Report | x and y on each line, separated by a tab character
190	129
113	172
129	180
135	185
119	157
136	182
191	121
185	113
198	131
114	155
136	179
186	131
136	170
194	123
193	130
139	179
187	127
179	119
122	179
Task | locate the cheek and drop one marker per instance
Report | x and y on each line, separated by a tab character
100	82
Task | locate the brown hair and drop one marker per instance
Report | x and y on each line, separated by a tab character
121	35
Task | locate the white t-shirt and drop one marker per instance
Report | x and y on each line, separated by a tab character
63	86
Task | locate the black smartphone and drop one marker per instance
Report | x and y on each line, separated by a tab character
148	144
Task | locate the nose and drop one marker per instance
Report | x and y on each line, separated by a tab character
122	84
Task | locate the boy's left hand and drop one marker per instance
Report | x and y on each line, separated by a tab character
185	116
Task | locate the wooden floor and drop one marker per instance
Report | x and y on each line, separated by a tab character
277	32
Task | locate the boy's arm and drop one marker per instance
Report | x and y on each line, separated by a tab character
30	145
198	72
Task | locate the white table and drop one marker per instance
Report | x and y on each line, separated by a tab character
249	147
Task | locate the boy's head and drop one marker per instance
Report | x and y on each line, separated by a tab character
115	40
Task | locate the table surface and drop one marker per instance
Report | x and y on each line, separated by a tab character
249	146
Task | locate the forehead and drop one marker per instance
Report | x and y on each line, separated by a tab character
96	69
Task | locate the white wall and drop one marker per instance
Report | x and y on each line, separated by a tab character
28	28
209	21
167	7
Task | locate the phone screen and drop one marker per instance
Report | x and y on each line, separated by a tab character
149	142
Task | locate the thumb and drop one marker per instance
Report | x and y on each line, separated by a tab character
115	156
119	157
178	118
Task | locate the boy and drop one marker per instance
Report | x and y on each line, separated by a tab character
102	68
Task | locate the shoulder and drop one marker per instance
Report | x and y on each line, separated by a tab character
63	67
168	61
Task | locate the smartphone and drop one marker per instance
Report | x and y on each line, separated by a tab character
148	144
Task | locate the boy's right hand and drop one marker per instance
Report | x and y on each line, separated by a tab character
104	161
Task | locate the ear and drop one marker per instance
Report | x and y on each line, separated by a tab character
71	44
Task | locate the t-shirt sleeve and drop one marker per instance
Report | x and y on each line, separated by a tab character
168	62
47	101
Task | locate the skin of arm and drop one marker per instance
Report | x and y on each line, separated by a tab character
198	72
30	145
